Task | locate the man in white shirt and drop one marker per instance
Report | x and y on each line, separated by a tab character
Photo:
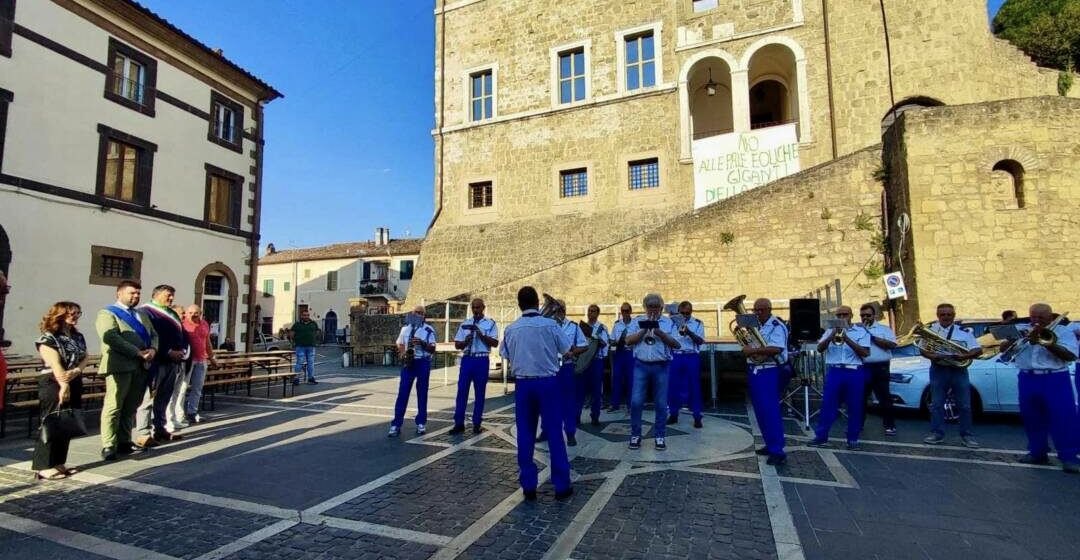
844	350
882	343
944	375
653	337
622	361
685	384
476	336
416	345
592	381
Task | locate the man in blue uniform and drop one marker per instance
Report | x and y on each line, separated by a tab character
944	375
764	366
1047	405
533	346
568	386
476	336
844	350
622	362
685	386
592	382
652	344
420	338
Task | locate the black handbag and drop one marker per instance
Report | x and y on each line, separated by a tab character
62	424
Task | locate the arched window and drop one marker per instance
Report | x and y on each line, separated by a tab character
709	84
908	104
773	75
1011	171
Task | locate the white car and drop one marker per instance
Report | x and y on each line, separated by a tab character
267	343
993	384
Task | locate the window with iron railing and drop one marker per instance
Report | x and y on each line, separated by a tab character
131	79
116	267
480	195
226	122
574	182
644	174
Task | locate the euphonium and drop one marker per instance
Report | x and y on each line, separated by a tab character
747	336
933	342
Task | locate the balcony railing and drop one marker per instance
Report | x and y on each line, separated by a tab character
755	126
132	90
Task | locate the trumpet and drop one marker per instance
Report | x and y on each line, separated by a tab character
746	336
930	341
1046	337
838	336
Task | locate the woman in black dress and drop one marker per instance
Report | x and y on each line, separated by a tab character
63	349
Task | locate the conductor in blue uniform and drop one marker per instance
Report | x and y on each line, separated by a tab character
533	344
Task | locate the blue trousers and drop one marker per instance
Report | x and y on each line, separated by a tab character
622	377
474	372
305	357
592	382
847	384
1048	408
657	374
567	399
941	378
685	387
420	372
766	403
539	399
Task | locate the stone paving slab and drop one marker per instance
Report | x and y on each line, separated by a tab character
16	546
330	543
169	526
586	465
805	464
531	528
494	442
673	514
443	498
742	464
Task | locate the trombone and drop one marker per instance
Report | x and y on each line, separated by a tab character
1046	337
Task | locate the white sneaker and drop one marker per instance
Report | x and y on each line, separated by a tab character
183	424
421	429
394	432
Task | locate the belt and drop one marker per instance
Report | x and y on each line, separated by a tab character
756	368
875	363
685	352
1044	371
532	377
843	366
654	361
476	355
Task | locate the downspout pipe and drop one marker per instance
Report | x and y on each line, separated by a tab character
442	113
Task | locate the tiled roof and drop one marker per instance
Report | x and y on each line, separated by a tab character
395	247
270	92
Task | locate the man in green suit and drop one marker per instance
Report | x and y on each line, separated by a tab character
128	340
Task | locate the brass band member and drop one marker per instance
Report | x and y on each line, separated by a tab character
653	337
844	349
685	384
882	343
476	336
944	375
592	382
762	377
622	362
1046	398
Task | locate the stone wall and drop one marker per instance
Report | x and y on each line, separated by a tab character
970	242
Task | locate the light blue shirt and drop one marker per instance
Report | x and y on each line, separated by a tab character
775	333
617	331
534	345
687	344
425	333
575	336
842	354
486	326
1074	327
1035	356
959	335
657	351
599	332
877	353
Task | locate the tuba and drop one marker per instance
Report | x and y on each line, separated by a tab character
746	336
551	305
930	341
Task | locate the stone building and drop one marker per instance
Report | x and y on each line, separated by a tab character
374	275
608	148
128	149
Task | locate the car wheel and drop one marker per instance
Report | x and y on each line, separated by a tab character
272	349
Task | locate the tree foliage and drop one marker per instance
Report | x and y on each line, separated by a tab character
1046	30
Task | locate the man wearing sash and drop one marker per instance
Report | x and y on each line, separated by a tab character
475	338
592	382
1047	406
622	362
534	344
421	340
685	386
128	343
168	362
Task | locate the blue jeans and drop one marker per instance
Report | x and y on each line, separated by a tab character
539	399
473	371
766	404
644	373
567	388
622	377
591	382
1048	408
941	378
685	387
305	355
420	372
846	384
195	386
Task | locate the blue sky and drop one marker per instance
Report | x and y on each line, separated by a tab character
349	148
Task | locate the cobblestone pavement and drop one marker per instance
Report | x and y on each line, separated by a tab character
313	475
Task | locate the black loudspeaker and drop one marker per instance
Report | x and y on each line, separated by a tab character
805	319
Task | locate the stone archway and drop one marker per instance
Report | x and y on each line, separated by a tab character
232	296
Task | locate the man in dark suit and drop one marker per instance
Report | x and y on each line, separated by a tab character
128	342
172	348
